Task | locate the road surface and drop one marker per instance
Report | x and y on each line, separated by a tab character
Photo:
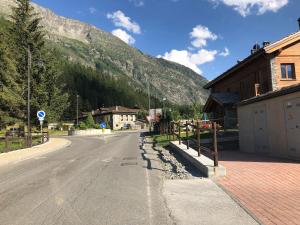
93	181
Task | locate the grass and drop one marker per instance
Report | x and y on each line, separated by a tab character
162	140
58	133
17	143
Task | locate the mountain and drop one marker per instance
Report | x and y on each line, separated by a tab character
87	45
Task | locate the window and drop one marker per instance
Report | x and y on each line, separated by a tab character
288	71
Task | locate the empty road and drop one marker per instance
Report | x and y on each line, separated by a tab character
93	181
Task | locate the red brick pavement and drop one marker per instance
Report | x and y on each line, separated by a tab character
267	187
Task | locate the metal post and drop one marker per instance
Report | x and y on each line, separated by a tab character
216	163
29	143
187	134
42	138
77	120
6	143
179	131
173	130
198	138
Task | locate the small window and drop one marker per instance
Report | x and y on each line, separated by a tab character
288	71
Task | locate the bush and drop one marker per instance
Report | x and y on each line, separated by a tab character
82	126
90	123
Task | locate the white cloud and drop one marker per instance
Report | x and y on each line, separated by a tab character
124	36
137	3
259	7
200	35
92	10
121	20
190	60
225	53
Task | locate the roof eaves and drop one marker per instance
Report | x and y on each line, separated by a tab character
272	94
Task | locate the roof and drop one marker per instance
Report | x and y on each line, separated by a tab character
292	38
272	94
115	110
223	99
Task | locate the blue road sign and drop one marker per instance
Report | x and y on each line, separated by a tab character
41	115
103	125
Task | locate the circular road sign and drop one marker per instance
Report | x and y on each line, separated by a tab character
103	125
41	115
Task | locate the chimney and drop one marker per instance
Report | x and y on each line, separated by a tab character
117	108
266	43
299	23
257	89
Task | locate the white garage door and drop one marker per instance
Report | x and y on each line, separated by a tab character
292	117
260	129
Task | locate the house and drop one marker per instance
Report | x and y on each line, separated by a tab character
270	123
268	68
117	117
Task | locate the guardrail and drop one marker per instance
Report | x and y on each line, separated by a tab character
10	143
174	131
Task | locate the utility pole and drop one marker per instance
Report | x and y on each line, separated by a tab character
149	96
28	97
149	106
77	120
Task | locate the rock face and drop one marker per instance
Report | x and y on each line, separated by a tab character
90	46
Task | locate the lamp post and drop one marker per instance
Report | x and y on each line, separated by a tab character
77	121
164	110
29	58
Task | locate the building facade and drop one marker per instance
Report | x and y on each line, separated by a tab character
270	123
268	68
118	117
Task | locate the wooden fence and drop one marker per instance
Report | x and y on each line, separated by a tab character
10	142
192	131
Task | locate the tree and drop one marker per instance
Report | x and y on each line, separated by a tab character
10	93
90	123
29	41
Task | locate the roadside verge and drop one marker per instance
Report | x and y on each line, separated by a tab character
23	154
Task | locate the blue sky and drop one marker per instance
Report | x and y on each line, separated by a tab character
208	36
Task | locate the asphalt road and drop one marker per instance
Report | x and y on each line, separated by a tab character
93	181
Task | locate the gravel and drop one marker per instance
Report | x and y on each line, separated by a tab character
174	166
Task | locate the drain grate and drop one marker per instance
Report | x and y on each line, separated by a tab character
130	158
129	164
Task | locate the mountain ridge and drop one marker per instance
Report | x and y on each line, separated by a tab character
90	46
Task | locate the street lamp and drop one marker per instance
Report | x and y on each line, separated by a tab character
77	121
164	110
29	58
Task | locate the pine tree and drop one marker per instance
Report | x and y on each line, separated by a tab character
10	92
29	41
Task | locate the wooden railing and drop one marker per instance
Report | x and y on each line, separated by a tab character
14	142
175	129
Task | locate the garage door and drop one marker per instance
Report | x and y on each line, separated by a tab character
292	117
260	129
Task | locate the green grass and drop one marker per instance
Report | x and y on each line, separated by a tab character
17	143
162	140
57	133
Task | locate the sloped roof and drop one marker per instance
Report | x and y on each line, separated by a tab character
223	99
292	38
115	110
272	94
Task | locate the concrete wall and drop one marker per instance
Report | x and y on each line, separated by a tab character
271	126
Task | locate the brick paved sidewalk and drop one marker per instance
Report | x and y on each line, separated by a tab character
267	187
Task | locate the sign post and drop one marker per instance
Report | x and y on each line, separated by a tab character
41	116
103	126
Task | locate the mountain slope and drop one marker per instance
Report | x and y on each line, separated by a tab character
90	46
